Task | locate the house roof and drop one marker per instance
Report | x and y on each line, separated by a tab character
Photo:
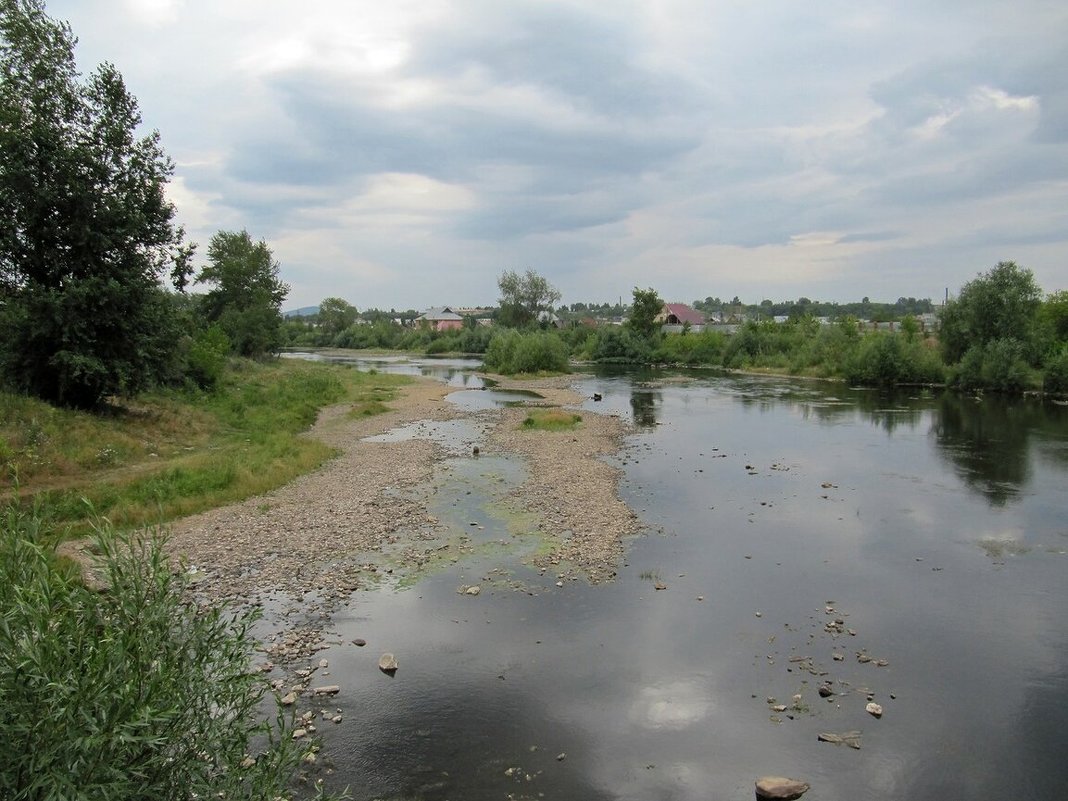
440	313
684	313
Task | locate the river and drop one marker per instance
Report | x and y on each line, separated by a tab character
907	550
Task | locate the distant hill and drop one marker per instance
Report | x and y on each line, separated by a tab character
303	311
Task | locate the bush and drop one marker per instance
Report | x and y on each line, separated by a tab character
617	344
999	365
1056	378
705	348
510	352
206	358
883	359
133	693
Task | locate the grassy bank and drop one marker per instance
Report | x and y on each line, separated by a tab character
166	455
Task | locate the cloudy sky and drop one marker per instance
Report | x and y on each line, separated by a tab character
402	154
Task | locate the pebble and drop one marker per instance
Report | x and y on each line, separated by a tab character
874	710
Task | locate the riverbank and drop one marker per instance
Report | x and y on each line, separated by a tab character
326	532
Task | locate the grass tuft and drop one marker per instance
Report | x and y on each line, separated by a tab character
551	420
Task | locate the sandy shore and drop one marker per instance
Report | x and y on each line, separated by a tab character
325	531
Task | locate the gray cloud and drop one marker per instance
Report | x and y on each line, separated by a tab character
846	150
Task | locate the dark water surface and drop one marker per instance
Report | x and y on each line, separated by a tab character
932	526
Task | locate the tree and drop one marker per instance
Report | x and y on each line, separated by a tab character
1000	304
644	311
523	297
86	231
247	298
335	315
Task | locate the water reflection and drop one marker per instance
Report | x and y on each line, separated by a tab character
987	443
643	403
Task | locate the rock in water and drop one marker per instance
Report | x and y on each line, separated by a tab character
780	788
874	710
387	663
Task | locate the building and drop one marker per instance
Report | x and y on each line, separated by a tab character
441	319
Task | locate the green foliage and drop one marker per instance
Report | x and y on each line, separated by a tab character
618	345
206	357
246	298
511	352
133	693
1053	317
705	348
1000	304
86	231
644	310
884	359
523	297
1000	365
1056	377
335	315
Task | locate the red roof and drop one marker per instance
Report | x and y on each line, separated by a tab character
684	314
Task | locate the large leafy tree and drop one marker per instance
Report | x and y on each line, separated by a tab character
644	310
1001	304
246	300
86	231
523	297
335	315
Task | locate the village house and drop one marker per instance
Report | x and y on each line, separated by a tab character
676	317
441	319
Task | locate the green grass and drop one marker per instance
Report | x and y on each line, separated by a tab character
551	420
168	455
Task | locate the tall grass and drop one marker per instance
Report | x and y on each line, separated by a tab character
168	455
133	693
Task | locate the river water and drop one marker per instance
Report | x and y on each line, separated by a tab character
908	550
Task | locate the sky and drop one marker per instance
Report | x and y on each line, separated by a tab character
404	154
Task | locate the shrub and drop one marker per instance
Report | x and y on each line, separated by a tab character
510	352
617	344
133	693
1000	365
1056	378
206	358
883	359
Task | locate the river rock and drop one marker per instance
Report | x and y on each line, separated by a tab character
289	699
387	663
473	590
328	689
874	710
779	787
359	642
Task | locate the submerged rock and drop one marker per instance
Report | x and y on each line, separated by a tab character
779	787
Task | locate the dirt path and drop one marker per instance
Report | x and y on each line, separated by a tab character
323	531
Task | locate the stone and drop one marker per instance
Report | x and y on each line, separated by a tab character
778	787
387	663
289	699
825	691
327	689
299	733
475	590
874	710
359	642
